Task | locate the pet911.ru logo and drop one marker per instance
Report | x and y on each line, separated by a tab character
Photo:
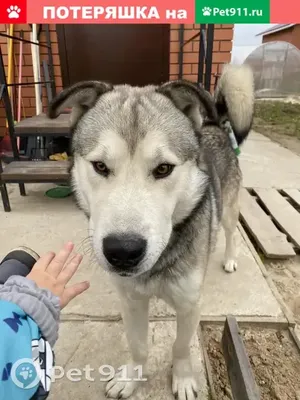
24	374
231	12
13	12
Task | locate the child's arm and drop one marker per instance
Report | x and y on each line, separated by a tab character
21	343
29	317
41	305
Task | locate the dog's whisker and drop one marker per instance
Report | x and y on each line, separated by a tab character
84	243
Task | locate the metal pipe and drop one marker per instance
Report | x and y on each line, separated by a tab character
48	85
28	83
2	91
38	101
20	78
36	70
180	55
8	109
202	51
23	40
20	85
50	61
191	39
10	45
209	55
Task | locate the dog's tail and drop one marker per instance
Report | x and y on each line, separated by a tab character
234	97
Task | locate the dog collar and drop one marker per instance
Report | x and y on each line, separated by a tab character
232	138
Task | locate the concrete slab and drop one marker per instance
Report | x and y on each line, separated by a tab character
258	137
101	343
266	164
40	222
243	293
102	301
45	224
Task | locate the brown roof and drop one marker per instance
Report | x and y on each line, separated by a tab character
276	28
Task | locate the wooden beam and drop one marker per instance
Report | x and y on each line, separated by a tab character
243	385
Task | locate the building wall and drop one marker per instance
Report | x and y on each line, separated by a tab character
221	54
290	35
223	36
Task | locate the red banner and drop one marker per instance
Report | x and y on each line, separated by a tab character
284	13
109	12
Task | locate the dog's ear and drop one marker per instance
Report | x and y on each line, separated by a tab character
195	102
80	97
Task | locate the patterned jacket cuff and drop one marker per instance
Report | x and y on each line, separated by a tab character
40	304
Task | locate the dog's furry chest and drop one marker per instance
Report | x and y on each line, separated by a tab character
180	292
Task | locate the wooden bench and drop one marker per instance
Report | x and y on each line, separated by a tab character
32	172
36	172
22	172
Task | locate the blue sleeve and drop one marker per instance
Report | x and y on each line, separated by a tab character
22	355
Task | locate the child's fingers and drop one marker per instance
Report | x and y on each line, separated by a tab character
60	259
70	269
44	261
73	291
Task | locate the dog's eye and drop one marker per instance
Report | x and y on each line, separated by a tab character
162	171
100	168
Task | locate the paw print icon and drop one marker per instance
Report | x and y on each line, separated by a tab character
206	11
13	12
24	374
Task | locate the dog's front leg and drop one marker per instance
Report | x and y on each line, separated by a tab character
135	318
184	385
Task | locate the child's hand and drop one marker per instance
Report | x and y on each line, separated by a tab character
53	271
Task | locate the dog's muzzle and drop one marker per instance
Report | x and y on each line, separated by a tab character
124	252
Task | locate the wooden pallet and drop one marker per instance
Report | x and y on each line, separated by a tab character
272	218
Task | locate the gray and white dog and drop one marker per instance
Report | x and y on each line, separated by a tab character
155	173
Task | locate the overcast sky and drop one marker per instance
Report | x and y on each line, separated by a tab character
245	40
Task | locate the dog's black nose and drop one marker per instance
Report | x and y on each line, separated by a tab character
124	251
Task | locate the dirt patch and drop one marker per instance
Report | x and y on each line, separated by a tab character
286	276
280	122
274	358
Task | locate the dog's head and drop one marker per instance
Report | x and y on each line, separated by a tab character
137	171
